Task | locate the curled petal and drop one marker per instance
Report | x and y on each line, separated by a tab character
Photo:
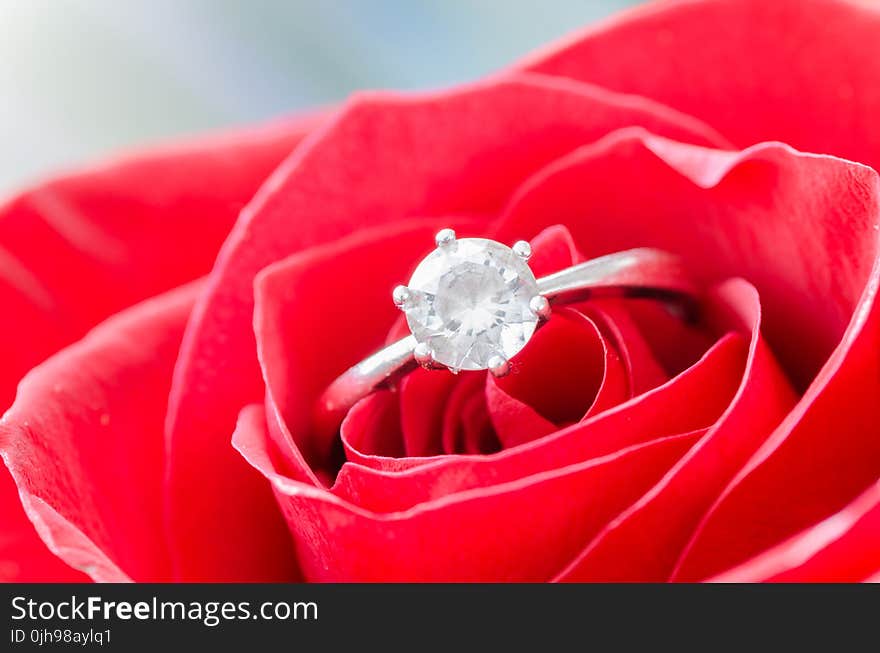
681	406
671	510
516	531
83	442
566	370
642	370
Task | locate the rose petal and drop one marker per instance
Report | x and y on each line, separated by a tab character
615	387
673	340
642	370
383	159
842	548
689	403
559	377
516	531
81	247
375	418
824	454
479	435
25	558
372	429
433	406
765	70
672	509
761	214
515	421
553	249
452	437
783	219
424	396
83	442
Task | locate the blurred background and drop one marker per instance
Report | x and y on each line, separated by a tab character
82	78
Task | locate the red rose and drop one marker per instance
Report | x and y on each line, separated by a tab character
168	436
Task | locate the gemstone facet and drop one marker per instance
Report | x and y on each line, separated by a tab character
469	302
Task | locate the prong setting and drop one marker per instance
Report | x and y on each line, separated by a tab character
499	366
445	238
540	307
522	249
423	355
469	300
400	295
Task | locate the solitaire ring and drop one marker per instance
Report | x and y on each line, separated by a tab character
473	304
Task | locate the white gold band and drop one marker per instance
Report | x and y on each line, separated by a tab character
644	272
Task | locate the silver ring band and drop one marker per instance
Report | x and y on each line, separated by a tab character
643	272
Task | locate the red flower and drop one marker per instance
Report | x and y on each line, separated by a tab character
174	440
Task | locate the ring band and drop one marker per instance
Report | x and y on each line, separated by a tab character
643	273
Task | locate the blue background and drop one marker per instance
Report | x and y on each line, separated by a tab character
82	78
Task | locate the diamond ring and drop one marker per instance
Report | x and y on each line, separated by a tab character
473	304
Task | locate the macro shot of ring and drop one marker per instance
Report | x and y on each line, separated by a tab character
383	292
473	304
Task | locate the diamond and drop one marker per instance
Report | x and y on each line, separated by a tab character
468	301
